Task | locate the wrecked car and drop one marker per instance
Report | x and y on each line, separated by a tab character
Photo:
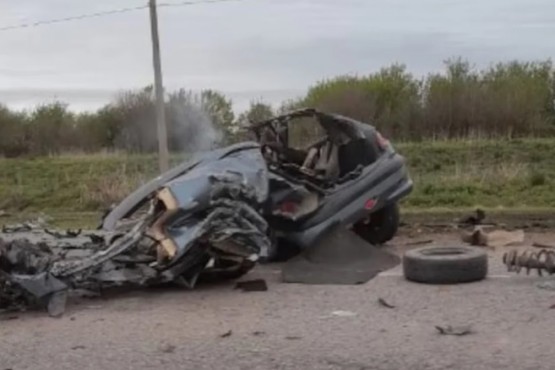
221	212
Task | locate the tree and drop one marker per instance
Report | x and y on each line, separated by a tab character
258	111
13	133
51	129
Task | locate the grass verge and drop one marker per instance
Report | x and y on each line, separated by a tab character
497	175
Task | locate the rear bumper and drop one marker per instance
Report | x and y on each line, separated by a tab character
396	186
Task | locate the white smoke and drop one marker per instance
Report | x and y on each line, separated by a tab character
191	127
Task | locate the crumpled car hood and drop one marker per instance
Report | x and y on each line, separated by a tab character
204	217
140	196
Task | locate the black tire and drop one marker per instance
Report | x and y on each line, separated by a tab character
381	226
445	265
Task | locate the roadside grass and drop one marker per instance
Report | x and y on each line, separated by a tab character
501	175
485	173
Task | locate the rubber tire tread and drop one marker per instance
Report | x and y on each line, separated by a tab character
468	266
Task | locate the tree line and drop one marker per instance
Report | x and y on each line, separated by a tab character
506	100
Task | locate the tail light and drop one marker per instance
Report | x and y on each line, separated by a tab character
370	203
382	142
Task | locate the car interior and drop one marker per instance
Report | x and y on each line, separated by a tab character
335	157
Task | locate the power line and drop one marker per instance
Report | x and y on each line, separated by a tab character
73	18
108	12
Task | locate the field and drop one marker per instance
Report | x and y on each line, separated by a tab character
448	175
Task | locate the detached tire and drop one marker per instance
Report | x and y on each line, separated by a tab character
445	265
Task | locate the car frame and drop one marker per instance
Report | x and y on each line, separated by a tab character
364	195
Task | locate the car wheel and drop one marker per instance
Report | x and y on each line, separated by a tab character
445	265
381	226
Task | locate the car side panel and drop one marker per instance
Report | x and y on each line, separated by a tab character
386	185
385	168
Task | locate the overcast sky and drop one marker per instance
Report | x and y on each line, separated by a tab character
254	49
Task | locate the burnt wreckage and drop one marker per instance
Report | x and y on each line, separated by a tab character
223	211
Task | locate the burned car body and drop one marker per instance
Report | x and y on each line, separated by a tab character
220	212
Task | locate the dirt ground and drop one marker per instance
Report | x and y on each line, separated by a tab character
293	326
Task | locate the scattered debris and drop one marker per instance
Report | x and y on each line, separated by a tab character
552	306
96	239
441	225
4	213
384	303
420	242
293	337
67	234
496	238
454	330
226	334
257	285
78	347
85	293
8	317
343	313
541	245
541	261
167	348
258	333
547	285
474	219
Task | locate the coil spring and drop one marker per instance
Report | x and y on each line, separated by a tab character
542	261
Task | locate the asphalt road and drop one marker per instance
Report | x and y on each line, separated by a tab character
292	327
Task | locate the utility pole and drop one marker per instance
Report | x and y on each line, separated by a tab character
163	156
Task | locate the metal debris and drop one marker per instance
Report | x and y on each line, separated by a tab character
167	348
420	242
541	261
257	285
341	313
226	334
454	330
474	219
67	234
546	285
542	246
496	238
384	303
158	243
293	337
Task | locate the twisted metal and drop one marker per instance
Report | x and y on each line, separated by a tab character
541	261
